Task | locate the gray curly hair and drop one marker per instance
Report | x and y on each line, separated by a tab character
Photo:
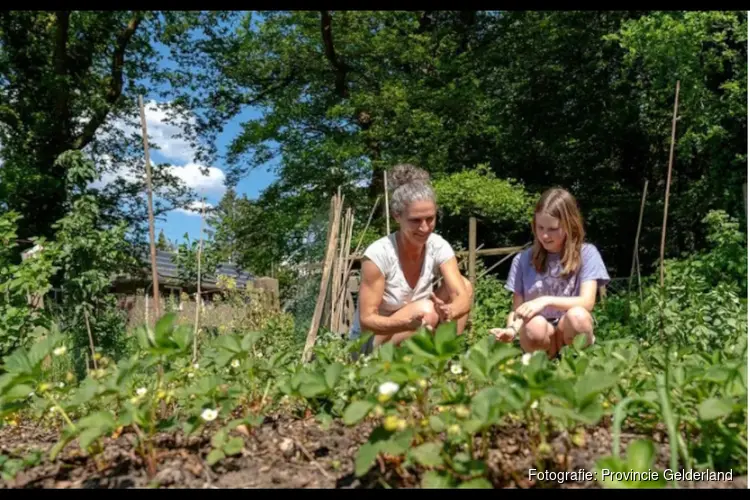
408	184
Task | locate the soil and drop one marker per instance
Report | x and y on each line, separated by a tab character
294	453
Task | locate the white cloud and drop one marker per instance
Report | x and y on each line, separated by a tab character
177	151
191	175
194	208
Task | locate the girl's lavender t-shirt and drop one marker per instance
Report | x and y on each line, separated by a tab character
523	278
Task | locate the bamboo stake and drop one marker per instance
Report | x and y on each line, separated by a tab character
344	271
154	274
353	257
669	180
638	235
387	210
313	332
473	250
91	337
337	265
198	300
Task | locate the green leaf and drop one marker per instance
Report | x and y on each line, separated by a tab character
641	455
593	384
421	345
398	444
234	446
215	456
249	340
312	385
436	480
229	343
333	372
17	392
437	424
428	454
219	439
88	436
713	408
475	484
445	334
365	457
385	352
356	411
164	328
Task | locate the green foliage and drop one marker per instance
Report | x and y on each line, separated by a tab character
20	283
502	207
69	80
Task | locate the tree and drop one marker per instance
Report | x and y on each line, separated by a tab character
69	80
578	99
163	243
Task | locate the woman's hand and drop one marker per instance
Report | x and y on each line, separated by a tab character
531	308
417	321
445	311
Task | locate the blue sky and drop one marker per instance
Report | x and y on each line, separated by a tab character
177	153
178	223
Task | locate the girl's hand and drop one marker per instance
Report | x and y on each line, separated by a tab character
531	308
503	334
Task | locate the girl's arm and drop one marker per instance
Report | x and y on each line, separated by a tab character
514	320
586	299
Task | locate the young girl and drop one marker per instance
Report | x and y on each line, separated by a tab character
554	283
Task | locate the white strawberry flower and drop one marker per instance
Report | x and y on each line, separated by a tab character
456	369
235	363
526	359
141	391
209	414
388	388
59	351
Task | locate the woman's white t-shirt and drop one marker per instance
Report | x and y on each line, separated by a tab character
397	293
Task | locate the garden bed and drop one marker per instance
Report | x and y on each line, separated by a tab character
297	453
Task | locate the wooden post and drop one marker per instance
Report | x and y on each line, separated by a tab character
473	250
154	274
315	323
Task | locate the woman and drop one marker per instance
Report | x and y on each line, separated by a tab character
554	283
397	295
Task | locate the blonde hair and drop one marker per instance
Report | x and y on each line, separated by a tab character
560	204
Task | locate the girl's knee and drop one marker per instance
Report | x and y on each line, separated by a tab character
580	319
535	334
578	322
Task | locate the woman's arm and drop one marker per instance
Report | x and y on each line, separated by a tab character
370	296
461	302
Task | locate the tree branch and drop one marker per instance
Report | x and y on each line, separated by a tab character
115	84
338	65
